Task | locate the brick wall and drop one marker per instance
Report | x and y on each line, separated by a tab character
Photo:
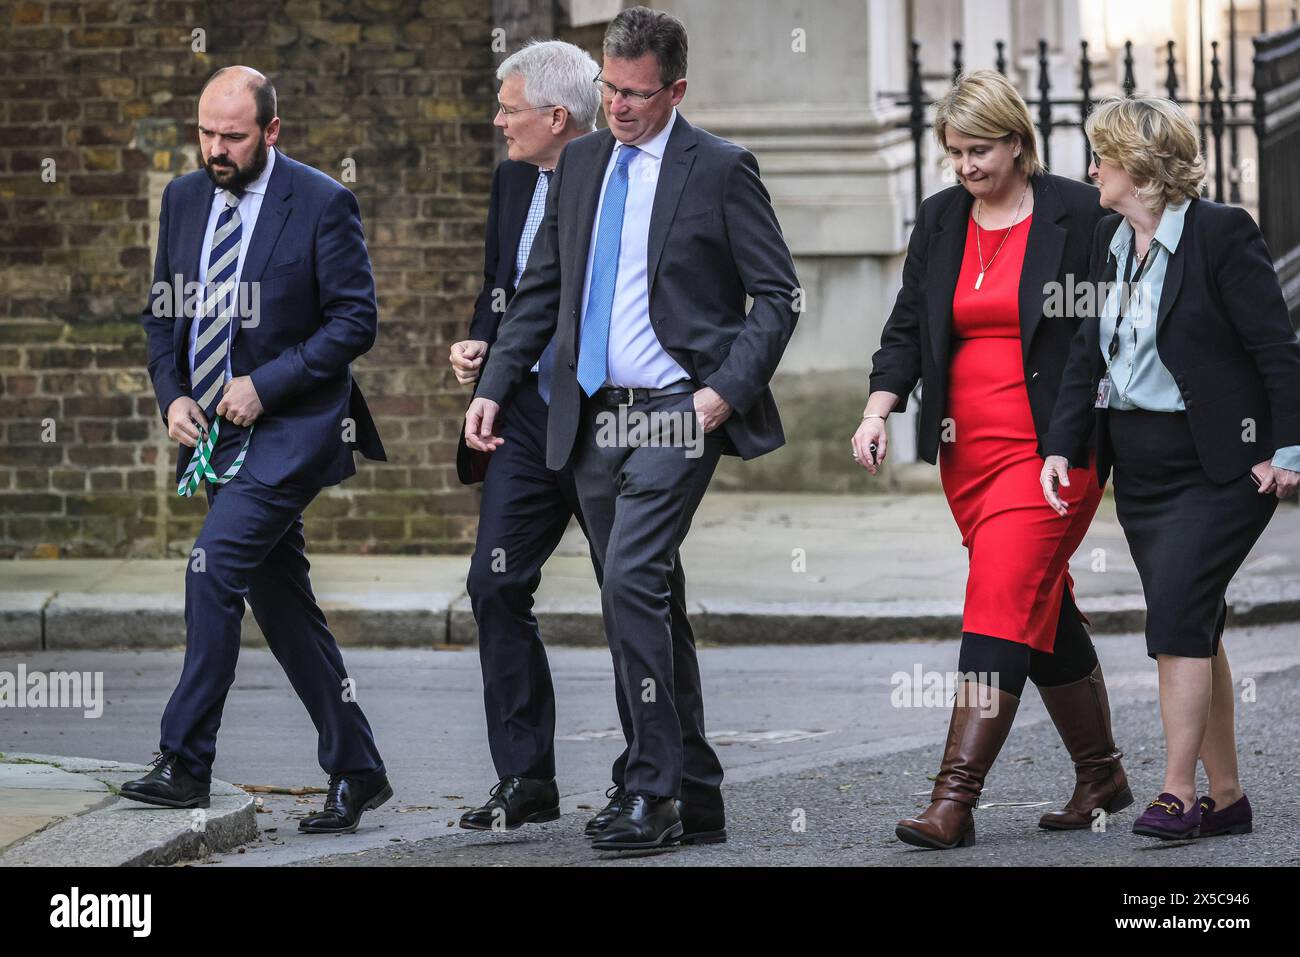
97	113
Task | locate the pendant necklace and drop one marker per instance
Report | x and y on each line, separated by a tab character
984	267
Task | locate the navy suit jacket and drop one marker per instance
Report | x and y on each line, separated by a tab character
714	239
317	313
513	185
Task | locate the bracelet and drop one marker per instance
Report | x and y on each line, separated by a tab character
872	415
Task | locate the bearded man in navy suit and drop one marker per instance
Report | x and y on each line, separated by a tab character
254	382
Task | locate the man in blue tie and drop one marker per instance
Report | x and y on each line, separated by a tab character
254	382
655	234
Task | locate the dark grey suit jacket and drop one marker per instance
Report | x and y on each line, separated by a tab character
713	240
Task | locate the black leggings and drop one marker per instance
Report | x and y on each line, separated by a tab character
1073	656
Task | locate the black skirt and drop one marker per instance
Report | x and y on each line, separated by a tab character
1188	536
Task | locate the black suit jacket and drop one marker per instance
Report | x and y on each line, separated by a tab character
915	343
714	239
513	185
1222	331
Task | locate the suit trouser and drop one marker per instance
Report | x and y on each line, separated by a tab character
639	501
252	546
523	514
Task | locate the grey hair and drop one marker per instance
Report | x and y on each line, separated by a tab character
557	73
637	31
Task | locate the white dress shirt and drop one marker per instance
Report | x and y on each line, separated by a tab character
250	204
636	359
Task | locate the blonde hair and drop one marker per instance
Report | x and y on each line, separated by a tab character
984	104
1155	142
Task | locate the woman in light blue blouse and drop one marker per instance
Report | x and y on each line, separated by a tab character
1191	371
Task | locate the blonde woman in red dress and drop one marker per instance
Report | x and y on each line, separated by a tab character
974	322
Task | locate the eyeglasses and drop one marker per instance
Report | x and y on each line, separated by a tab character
502	109
608	90
1096	159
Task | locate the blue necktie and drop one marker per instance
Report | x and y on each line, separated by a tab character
213	341
593	351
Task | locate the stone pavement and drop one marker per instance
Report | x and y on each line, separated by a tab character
61	810
762	568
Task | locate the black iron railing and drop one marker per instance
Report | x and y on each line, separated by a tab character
1215	113
1270	115
1277	131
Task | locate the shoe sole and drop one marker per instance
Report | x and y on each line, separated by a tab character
380	798
1120	801
669	836
917	839
1165	835
1233	829
704	837
537	817
205	801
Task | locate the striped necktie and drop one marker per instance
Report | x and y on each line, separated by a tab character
220	296
593	351
211	348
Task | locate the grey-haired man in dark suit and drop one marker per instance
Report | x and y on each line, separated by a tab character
654	234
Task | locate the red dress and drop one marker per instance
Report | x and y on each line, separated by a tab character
1019	547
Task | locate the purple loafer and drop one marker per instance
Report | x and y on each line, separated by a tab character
1233	819
1167	819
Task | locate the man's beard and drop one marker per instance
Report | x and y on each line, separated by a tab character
240	179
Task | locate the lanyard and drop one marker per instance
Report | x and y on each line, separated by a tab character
1143	269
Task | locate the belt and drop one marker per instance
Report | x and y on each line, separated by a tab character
618	395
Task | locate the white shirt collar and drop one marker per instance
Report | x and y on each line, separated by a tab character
258	185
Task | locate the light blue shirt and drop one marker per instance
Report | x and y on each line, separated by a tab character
636	359
1139	379
250	204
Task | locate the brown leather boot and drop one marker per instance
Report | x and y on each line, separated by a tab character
974	740
1081	713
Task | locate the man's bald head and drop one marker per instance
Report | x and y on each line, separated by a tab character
238	81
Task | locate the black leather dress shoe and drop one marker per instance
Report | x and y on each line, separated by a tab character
169	784
606	814
643	822
346	800
514	802
702	822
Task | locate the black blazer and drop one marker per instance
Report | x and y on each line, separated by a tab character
513	185
1231	347
714	239
915	342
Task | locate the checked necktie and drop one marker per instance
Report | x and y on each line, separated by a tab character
212	346
593	351
536	211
